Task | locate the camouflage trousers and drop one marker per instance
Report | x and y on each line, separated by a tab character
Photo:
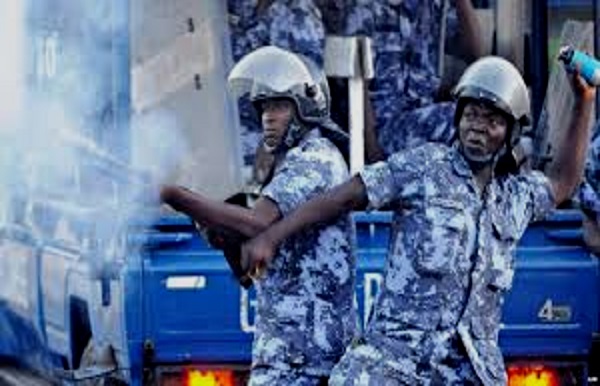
366	365
270	376
412	128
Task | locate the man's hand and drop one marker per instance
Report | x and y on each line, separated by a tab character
257	254
167	192
581	89
566	169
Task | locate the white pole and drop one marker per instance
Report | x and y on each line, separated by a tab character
357	114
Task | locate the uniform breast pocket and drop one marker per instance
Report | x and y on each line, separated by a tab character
503	241
444	236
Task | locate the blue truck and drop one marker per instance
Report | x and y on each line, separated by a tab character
98	285
547	325
171	312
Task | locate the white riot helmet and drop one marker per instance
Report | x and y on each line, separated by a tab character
496	81
271	72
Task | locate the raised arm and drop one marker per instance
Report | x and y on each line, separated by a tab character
471	43
567	167
207	212
258	253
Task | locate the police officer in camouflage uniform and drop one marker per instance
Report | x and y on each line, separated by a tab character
294	25
404	93
455	228
305	311
588	194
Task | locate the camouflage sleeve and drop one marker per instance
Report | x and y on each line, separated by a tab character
588	191
589	201
384	180
256	36
298	27
360	19
533	190
305	174
592	165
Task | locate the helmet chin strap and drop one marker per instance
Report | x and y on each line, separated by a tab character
295	131
270	149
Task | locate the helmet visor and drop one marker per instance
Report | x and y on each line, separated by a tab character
268	70
498	81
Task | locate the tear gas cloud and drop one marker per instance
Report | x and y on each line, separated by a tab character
62	138
72	169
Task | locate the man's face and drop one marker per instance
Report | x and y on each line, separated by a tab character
482	129
276	116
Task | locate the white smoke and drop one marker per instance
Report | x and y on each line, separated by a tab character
12	78
63	147
11	66
70	172
157	144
